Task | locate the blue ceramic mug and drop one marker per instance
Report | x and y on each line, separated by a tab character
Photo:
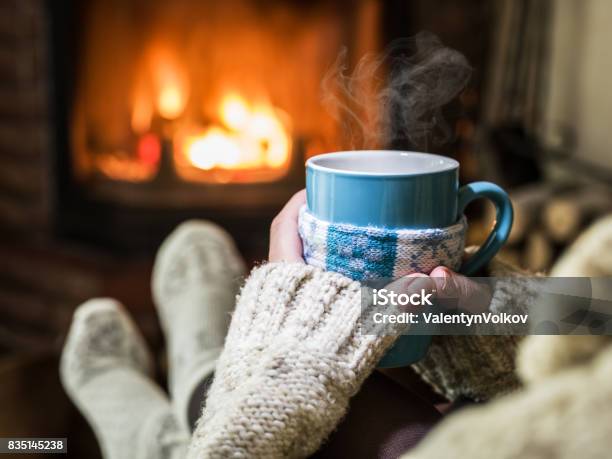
401	190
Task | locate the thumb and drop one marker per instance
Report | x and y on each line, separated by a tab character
411	284
467	294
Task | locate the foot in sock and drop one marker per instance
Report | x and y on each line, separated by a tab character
105	370
196	278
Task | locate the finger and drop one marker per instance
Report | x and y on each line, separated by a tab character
292	208
287	219
467	294
285	242
399	295
412	283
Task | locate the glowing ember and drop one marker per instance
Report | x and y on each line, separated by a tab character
234	112
248	138
267	131
119	166
213	149
149	149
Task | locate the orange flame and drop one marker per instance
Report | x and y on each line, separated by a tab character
170	83
248	138
142	110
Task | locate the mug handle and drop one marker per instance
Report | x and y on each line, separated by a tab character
503	222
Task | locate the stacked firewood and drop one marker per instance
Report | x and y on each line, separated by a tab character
548	218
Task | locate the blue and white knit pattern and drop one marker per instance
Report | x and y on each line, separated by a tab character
366	253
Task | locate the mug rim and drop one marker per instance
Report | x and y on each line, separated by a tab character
449	163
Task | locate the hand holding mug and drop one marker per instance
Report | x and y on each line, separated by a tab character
386	214
286	245
285	242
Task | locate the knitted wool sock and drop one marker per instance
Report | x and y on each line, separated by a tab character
365	253
104	369
195	281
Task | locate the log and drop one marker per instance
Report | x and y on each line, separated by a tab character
564	217
511	256
527	202
539	252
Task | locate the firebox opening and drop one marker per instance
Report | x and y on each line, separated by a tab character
219	92
187	109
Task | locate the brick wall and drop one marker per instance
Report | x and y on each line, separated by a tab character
25	186
42	278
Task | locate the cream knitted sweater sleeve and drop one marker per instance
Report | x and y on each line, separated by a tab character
481	367
293	358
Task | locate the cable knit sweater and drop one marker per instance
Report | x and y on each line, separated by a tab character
294	356
564	409
481	367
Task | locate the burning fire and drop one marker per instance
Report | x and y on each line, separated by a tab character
170	83
188	91
246	137
241	142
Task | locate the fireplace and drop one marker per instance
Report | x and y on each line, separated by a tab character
166	111
172	110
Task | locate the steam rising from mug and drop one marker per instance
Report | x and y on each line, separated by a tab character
376	110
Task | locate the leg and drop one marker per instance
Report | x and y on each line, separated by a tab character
195	281
198	401
104	369
385	420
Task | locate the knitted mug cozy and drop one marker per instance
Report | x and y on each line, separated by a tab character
368	252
